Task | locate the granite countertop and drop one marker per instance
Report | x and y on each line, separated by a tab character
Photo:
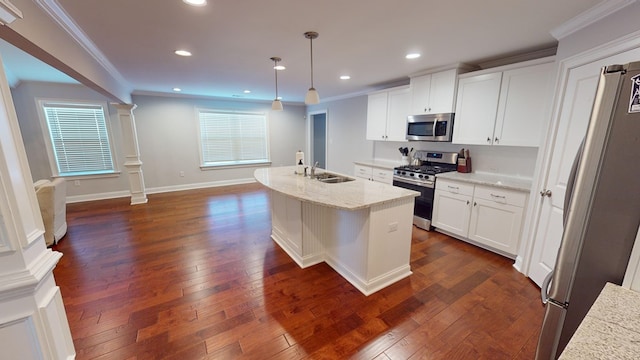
353	195
611	329
379	163
496	180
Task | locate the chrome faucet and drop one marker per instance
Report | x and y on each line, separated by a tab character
313	169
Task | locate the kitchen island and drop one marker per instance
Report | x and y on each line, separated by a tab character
362	229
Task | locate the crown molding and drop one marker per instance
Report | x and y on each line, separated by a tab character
594	14
8	12
57	13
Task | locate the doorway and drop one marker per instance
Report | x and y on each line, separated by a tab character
318	138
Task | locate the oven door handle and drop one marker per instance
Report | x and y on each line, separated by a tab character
427	184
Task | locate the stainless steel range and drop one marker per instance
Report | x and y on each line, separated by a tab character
422	178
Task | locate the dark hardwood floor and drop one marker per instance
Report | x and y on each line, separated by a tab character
195	275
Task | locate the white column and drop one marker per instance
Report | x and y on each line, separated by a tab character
33	323
132	153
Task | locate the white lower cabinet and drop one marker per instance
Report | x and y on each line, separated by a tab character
488	216
452	207
373	173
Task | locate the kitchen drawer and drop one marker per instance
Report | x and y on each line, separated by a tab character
382	175
499	195
454	187
364	172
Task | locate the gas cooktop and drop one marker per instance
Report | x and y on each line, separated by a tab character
433	163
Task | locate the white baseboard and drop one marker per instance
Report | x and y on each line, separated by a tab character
157	190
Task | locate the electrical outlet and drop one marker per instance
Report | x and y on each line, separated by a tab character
181	173
393	226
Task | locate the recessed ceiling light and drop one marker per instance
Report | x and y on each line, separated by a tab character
177	89
345	77
195	2
247	91
412	56
182	53
279	67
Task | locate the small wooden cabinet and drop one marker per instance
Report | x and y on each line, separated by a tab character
504	107
387	113
488	216
434	93
372	173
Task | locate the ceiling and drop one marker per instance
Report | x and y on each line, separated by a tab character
232	41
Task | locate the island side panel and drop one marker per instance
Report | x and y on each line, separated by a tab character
286	225
371	247
390	228
316	226
346	245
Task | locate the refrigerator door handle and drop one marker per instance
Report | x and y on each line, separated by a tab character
544	289
570	183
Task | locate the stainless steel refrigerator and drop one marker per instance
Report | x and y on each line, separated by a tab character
602	209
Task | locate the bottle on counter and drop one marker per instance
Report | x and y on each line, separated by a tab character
300	167
299	157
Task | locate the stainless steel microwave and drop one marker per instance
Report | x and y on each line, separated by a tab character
430	127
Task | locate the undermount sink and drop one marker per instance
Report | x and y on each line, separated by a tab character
330	178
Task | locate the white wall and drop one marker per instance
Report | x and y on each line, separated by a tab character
25	96
42	37
167	138
346	127
505	160
614	26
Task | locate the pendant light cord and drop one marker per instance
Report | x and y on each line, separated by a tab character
276	72
311	39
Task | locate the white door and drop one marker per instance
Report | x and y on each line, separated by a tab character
574	119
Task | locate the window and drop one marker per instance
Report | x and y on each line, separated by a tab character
233	138
79	138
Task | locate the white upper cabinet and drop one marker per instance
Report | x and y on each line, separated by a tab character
387	113
523	102
377	116
433	93
476	109
503	107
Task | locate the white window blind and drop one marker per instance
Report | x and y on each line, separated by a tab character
79	138
233	138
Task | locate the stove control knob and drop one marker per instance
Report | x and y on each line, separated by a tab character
421	176
412	174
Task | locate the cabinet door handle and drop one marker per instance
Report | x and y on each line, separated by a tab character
497	141
498	196
453	187
468	202
475	203
545	192
488	139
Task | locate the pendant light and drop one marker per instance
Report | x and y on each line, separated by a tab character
312	95
276	104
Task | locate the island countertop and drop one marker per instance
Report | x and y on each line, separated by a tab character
352	195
